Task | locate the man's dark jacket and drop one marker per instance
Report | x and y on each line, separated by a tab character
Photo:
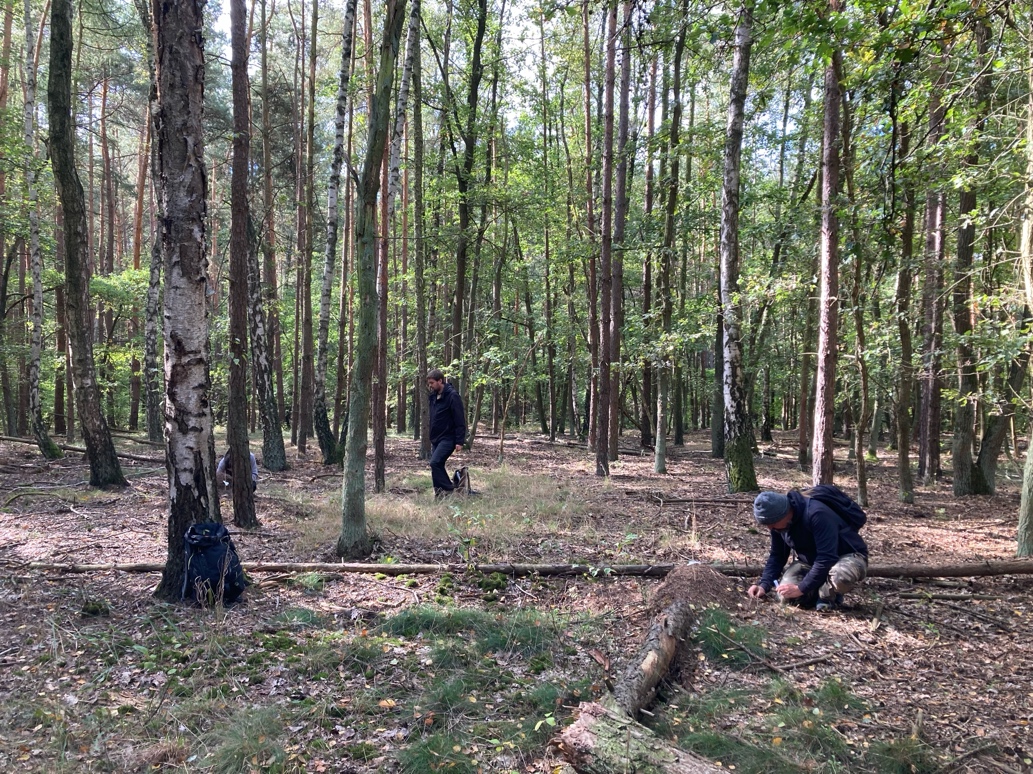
818	535
447	418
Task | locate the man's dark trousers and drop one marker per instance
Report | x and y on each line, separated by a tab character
439	454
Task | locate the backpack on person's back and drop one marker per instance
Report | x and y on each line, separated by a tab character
840	503
212	571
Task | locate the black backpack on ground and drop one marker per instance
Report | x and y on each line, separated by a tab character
212	572
840	503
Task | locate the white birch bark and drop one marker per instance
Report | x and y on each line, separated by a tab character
324	434
738	429
39	429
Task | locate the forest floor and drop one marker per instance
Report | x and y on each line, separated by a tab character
361	673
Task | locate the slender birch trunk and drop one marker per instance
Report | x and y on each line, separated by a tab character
420	245
1025	530
327	442
46	445
738	429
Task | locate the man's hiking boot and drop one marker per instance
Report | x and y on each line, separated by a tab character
835	603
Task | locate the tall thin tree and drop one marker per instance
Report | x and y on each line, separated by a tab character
822	470
100	451
354	540
46	445
240	245
321	417
738	427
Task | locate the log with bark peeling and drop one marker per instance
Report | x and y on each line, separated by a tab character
606	737
605	741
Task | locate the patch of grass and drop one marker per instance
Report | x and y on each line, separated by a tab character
249	739
722	640
451	694
747	758
524	632
904	755
441	751
833	696
451	655
433	620
298	617
312	582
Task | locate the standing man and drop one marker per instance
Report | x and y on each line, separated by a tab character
447	429
831	557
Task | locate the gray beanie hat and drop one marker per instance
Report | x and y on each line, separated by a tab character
770	507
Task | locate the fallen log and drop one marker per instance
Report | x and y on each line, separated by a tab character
81	450
605	741
606	737
967	570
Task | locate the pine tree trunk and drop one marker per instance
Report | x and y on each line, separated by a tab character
104	466
822	469
902	304
190	454
354	541
602	449
269	250
962	465
738	430
155	401
932	305
240	247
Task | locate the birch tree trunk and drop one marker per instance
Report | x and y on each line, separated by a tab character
738	430
240	246
420	279
1025	530
327	442
354	541
822	469
190	444
46	444
100	451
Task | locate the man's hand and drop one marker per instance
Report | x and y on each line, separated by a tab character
755	591
789	591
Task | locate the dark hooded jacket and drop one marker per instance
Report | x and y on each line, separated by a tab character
818	535
447	418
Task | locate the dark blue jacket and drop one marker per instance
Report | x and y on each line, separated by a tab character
447	418
818	535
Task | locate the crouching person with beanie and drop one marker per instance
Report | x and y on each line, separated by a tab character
831	557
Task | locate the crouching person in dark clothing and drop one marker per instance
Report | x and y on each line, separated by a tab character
447	429
831	557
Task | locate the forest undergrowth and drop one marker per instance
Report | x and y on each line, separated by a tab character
462	672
